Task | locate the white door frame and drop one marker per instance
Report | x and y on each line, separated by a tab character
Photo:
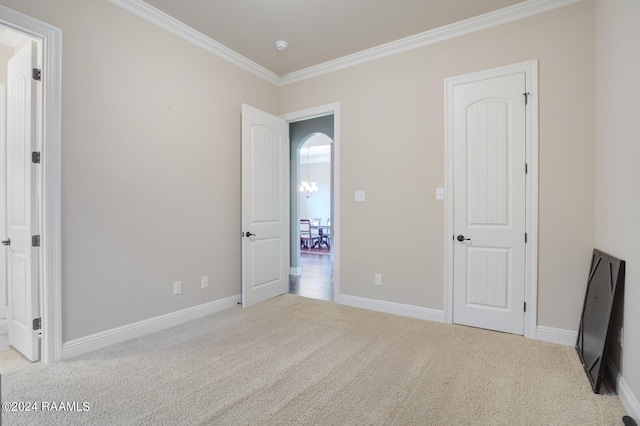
50	228
320	111
530	68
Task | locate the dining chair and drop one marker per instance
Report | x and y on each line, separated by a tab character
315	232
306	239
326	235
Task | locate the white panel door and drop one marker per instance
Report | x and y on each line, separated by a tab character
265	206
22	178
3	201
489	203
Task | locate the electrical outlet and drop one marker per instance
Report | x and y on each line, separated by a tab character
204	282
177	288
377	279
359	195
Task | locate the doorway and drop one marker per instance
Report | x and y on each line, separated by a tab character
491	201
46	243
314	205
19	177
316	272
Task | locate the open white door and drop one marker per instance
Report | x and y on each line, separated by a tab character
265	206
22	197
3	200
489	157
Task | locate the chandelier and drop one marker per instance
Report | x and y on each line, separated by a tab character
307	187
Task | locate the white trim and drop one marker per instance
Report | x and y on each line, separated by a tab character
556	335
628	398
120	334
530	68
51	258
626	395
295	271
410	311
307	114
478	23
457	29
169	23
531	277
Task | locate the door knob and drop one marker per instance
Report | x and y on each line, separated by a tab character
249	234
462	238
6	242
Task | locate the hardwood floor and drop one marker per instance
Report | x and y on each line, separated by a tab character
316	280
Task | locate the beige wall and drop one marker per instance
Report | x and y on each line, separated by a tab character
393	147
151	166
617	157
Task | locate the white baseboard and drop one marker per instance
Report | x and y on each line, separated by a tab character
120	334
626	395
628	399
295	271
556	335
392	308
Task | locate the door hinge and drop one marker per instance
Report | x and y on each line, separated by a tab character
526	97
526	237
37	324
35	241
35	157
526	168
37	74
525	306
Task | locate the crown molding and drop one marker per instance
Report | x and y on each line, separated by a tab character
169	23
478	23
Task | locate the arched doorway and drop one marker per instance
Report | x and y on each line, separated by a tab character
312	208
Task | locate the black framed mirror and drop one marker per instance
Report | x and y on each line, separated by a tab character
606	279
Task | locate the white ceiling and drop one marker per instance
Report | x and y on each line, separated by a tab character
317	31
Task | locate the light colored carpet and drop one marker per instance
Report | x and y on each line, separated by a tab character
292	360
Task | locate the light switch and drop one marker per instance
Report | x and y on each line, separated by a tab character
359	195
439	193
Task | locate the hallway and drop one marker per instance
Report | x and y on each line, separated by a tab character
316	280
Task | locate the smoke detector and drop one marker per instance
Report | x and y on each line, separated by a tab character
281	45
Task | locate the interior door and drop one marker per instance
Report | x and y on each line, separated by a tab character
22	218
265	206
3	201
489	203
